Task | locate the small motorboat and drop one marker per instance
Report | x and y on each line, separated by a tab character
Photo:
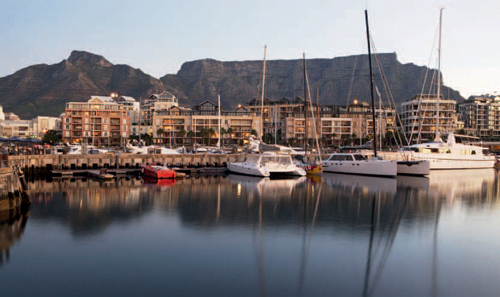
158	172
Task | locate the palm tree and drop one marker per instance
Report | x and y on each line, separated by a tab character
160	133
230	132
191	134
222	132
182	133
211	133
203	134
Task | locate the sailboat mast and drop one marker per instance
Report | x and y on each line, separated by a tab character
371	86
262	98
218	133
305	102
439	75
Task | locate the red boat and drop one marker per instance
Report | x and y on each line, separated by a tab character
158	172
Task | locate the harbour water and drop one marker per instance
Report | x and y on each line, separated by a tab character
235	235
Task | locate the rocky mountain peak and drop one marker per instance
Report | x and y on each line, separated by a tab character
86	59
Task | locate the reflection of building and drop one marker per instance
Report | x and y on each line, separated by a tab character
418	116
98	121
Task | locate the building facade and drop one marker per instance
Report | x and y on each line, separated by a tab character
42	124
480	116
100	121
200	124
419	115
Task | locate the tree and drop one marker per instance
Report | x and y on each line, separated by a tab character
230	132
253	132
461	131
182	133
160	132
221	133
203	134
211	133
191	134
52	137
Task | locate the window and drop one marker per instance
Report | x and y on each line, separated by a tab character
359	158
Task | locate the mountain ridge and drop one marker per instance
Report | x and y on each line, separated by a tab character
44	89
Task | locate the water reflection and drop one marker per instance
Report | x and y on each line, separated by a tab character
336	234
12	225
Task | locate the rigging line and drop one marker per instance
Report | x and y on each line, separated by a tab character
313	118
352	80
390	97
423	86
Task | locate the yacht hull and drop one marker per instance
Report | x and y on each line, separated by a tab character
375	168
417	168
243	168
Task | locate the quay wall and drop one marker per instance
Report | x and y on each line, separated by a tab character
66	162
10	189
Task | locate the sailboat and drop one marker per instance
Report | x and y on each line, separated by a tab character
449	155
356	163
266	164
300	160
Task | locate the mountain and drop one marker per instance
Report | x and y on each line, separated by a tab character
335	79
45	89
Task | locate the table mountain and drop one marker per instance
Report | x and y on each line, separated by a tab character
44	89
338	79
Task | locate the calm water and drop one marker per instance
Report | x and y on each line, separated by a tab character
242	236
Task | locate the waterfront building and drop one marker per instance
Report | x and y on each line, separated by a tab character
42	124
157	103
133	109
10	116
17	128
275	112
186	126
480	115
2	115
100	121
418	116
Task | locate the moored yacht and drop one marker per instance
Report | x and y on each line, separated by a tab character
266	165
451	155
356	163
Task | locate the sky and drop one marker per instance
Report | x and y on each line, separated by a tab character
157	36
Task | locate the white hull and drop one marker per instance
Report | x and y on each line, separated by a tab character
419	168
370	167
266	165
247	169
446	164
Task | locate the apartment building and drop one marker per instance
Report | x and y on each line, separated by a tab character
186	126
275	112
157	103
100	121
480	115
17	128
419	114
42	124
